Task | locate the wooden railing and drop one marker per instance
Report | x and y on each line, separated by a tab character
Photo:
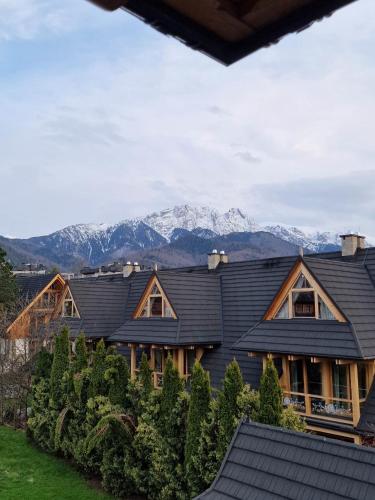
322	407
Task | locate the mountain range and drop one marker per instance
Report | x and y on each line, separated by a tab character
178	236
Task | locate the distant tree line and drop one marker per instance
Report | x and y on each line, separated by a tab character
160	444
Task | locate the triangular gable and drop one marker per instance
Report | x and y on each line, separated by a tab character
302	296
56	279
154	302
69	308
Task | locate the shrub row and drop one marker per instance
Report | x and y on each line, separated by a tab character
161	444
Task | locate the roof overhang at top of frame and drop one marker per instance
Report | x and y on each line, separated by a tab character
227	30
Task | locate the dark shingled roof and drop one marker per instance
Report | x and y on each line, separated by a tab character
30	286
101	304
350	287
196	300
266	463
308	337
366	423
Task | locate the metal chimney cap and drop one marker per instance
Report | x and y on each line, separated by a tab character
128	263
136	263
214	250
222	252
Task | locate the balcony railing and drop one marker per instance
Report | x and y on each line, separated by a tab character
322	407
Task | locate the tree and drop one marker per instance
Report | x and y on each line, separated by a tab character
291	420
117	376
98	384
172	387
8	286
145	374
207	461
229	412
80	359
43	365
270	396
60	365
198	410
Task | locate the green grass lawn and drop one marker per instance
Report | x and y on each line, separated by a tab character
29	474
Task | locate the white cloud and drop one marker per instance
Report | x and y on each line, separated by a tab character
26	19
153	123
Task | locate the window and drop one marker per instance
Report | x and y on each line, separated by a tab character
156	305
69	309
304	301
340	380
362	380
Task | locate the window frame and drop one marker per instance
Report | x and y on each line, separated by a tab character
145	303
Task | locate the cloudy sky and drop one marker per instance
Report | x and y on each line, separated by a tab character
103	118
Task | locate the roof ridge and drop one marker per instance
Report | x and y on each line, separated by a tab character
333	261
354	331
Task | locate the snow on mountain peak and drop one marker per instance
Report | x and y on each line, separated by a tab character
189	218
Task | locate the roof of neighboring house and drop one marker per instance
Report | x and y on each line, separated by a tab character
266	463
366	423
30	286
196	300
227	30
351	288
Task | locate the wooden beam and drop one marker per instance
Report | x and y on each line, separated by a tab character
285	378
181	362
133	361
355	393
306	390
199	353
344	362
292	357
326	381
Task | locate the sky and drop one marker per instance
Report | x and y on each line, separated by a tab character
103	119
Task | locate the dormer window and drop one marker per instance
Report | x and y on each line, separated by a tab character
304	300
69	309
155	304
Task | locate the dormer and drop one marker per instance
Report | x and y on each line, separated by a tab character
301	296
154	303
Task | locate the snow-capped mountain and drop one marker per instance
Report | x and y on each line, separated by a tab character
191	218
100	243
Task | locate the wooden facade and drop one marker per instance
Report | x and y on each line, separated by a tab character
183	359
42	308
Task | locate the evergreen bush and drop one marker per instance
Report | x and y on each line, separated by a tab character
270	396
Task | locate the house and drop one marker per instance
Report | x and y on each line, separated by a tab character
227	30
313	315
40	298
266	463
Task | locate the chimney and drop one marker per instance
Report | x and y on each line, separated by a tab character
350	243
130	268
224	259
215	258
136	267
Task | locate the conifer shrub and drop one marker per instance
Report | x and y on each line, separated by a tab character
98	384
117	376
59	365
80	360
291	420
198	411
228	411
270	396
